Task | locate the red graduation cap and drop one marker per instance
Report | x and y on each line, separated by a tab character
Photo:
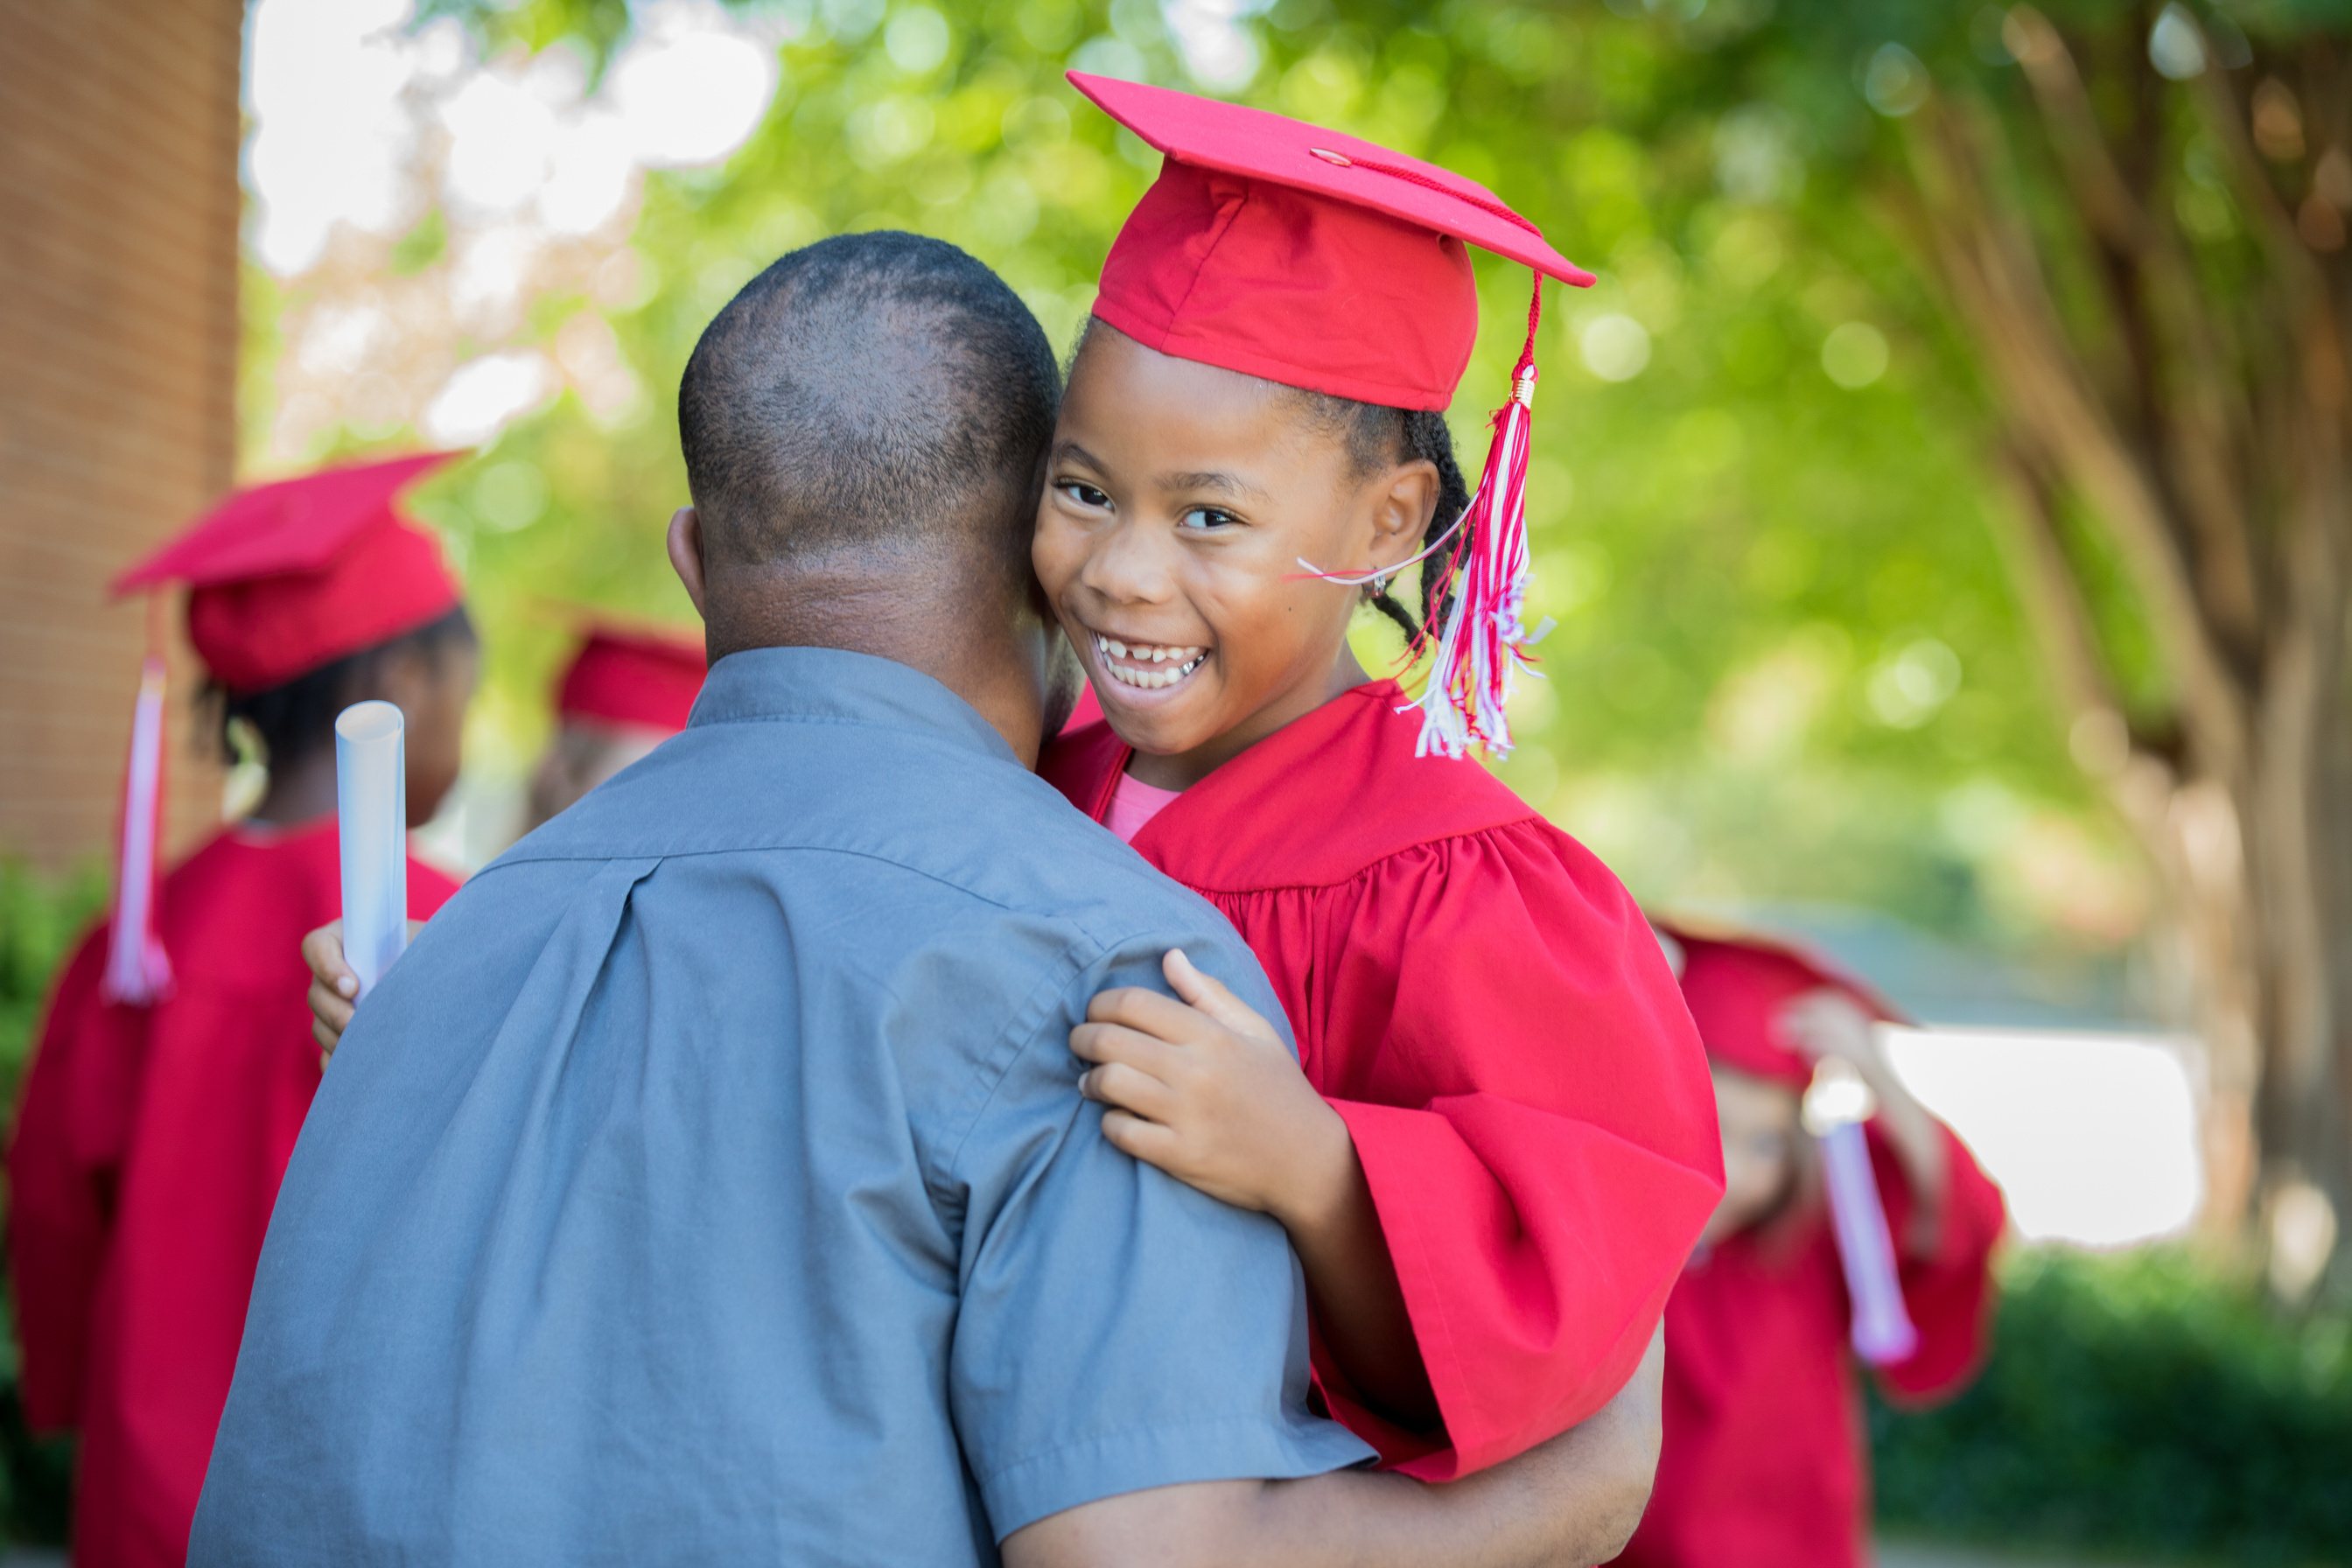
1736	983
1313	258
284	578
632	675
291	575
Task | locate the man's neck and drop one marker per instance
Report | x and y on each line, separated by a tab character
959	639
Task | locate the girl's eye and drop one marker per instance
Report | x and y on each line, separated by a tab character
1201	519
1083	493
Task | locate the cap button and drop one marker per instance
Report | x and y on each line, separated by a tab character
1341	159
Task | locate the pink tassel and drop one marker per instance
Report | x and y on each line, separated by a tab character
138	972
1484	642
1882	1330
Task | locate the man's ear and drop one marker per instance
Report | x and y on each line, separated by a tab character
686	553
1402	510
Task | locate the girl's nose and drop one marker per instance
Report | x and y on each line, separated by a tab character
1129	566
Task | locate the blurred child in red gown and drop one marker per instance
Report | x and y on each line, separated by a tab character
1501	1147
175	1063
1764	1463
626	690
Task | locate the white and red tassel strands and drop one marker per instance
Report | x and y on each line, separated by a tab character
1483	644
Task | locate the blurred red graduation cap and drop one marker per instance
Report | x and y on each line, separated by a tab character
1737	982
283	578
287	576
1319	260
633	675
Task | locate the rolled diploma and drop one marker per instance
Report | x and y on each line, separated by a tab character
372	823
1883	1332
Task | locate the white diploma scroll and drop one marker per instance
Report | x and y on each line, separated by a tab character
371	821
1836	1107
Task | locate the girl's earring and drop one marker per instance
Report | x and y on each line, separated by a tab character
1379	584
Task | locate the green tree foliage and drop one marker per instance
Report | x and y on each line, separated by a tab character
1787	664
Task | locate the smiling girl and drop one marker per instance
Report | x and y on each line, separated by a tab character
1502	1144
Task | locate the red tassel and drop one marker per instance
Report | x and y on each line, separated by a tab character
1484	642
138	972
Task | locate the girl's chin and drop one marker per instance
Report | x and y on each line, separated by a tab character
1157	724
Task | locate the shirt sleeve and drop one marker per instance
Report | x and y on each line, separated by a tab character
1948	1288
1119	1330
72	1127
1535	1120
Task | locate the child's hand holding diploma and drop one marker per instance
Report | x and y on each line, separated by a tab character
1826	1024
1205	1090
335	989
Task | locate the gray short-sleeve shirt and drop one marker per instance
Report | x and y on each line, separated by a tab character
710	1183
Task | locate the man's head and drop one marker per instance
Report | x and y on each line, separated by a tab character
865	427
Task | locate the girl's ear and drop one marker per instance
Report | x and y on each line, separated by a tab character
1402	510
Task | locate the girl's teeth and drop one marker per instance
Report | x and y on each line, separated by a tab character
1186	660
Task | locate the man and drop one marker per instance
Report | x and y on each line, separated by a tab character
710	1181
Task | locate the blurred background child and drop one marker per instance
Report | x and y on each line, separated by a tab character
1764	1464
626	692
175	1064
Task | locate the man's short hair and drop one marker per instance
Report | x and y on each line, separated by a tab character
870	389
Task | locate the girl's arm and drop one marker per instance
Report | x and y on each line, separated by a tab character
1205	1090
1827	1023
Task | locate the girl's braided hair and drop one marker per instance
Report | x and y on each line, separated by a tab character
1376	437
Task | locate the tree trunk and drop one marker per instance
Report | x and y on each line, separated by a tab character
2204	432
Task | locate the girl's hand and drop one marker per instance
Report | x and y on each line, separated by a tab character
335	989
1205	1090
1827	1023
333	986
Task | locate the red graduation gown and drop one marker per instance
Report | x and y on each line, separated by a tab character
1484	1004
147	1154
1764	1459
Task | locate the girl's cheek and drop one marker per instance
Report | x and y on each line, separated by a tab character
1050	556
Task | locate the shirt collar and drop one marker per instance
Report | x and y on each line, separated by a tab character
833	686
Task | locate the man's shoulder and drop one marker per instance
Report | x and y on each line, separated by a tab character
780	794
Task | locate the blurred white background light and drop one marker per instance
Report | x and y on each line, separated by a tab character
331	133
689	91
341	93
464	187
484	394
2092	1137
1616	346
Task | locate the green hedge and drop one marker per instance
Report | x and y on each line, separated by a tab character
2136	1404
38	917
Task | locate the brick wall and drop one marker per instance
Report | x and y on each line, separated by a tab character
118	202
